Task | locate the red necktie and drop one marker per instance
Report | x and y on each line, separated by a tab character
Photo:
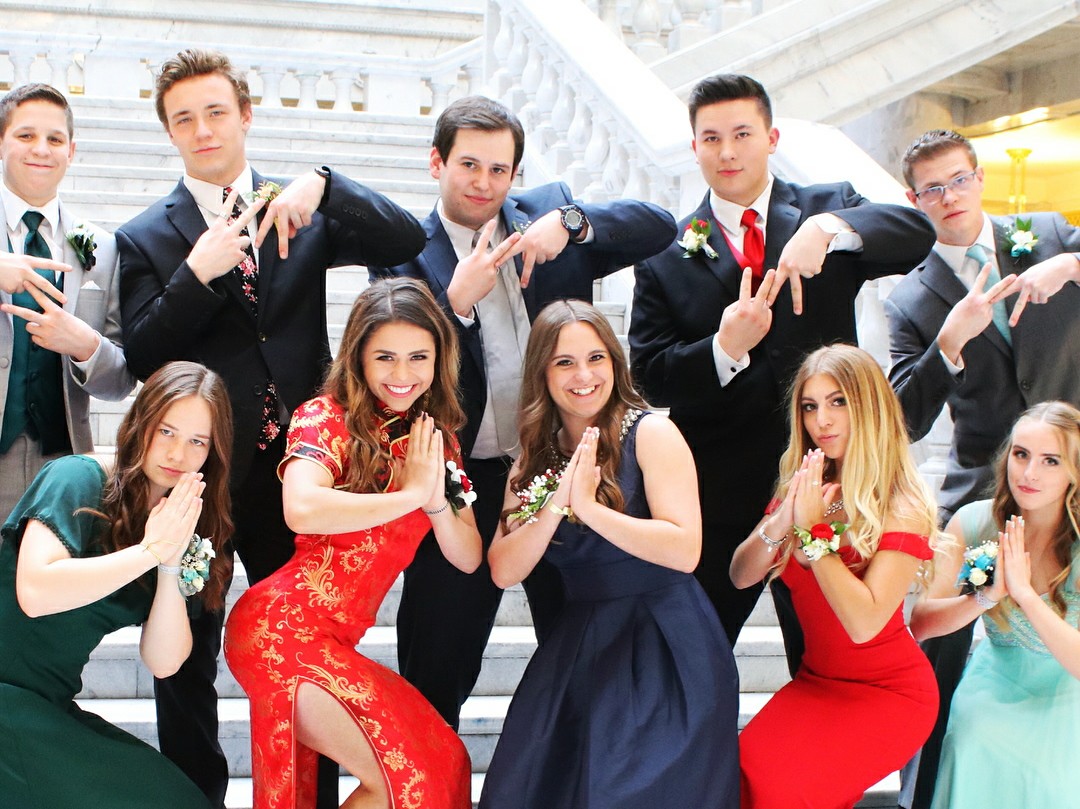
753	246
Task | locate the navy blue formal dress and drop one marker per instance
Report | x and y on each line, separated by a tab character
632	702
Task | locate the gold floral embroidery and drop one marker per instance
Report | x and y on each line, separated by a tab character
318	578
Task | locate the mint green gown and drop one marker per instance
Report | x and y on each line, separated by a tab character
1014	727
54	755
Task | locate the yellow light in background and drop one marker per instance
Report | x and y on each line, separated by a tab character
1018	179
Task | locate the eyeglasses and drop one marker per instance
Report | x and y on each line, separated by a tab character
935	193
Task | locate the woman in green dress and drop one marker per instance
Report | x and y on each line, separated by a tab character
86	552
1014	724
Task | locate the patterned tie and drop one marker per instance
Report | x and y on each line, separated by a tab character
1001	317
247	271
754	247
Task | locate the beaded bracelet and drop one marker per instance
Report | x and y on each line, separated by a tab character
445	506
169	570
772	543
984	601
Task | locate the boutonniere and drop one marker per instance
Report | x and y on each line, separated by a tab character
82	241
267	192
1020	237
459	490
696	238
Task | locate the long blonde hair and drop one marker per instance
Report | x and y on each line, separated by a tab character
878	478
1064	419
539	418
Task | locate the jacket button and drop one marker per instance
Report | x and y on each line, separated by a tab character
258	390
263	338
1025	384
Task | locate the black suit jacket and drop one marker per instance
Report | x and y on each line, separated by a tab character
168	314
624	231
998	383
738	432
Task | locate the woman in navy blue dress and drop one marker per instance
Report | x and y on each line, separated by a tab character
632	701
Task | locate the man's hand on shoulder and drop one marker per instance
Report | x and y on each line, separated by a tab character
292	209
1044	280
474	276
222	245
747	320
972	314
802	257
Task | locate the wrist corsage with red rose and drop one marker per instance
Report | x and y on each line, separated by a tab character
820	539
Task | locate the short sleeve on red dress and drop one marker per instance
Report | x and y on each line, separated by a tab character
912	544
317	432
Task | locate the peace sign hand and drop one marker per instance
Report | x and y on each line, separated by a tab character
746	321
973	313
17	273
224	243
474	276
55	329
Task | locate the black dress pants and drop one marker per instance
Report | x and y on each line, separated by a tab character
445	616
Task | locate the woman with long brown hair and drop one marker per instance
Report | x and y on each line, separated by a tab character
370	467
1014	723
87	551
632	700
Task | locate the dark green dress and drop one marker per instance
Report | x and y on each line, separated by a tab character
54	755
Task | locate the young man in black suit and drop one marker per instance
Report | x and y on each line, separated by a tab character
546	247
198	284
722	356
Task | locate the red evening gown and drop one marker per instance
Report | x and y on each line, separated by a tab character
303	624
854	712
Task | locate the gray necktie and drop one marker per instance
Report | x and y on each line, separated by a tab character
1001	317
504	333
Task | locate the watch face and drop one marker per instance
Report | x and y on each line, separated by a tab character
572	218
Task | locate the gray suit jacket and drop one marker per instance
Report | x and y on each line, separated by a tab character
94	298
997	383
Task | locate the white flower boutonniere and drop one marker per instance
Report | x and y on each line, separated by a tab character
267	192
1020	238
696	238
82	241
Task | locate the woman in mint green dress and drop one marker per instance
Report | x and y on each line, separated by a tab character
86	552
1014	727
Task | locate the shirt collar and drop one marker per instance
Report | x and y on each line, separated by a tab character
729	214
208	196
15	206
461	236
954	255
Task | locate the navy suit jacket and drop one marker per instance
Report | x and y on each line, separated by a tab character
738	432
624	231
997	383
168	314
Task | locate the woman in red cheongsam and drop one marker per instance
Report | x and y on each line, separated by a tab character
365	478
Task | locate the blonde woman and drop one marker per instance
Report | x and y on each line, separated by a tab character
1013	725
849	531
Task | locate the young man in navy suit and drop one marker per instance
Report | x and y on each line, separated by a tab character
983	327
198	283
721	355
494	259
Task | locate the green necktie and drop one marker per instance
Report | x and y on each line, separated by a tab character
35	244
1001	317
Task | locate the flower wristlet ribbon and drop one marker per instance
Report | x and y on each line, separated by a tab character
821	539
535	496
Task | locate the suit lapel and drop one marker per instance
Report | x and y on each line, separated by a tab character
517	220
938	277
724	266
73	280
268	253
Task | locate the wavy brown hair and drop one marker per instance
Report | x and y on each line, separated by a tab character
126	499
391	300
879	477
1064	419
538	418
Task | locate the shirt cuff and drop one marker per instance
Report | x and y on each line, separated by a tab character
467	322
844	236
82	370
955	370
727	368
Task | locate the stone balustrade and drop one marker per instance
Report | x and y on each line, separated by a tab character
123	67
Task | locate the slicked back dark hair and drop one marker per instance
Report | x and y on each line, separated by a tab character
34	92
477	112
728	87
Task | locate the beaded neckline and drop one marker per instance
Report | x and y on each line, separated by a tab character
559	460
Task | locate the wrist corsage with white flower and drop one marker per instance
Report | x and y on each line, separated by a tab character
195	565
978	568
459	489
1021	238
82	242
535	496
696	238
820	539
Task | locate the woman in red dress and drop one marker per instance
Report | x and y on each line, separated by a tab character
849	532
365	478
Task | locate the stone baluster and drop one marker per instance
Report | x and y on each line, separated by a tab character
578	135
531	77
308	76
59	60
596	155
21	60
664	190
637	184
501	80
562	117
271	76
546	95
441	87
615	171
609	13
516	62
647	24
343	79
690	29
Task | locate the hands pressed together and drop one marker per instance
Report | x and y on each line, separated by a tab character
423	471
174	519
577	486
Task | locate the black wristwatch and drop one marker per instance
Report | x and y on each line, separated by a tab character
574	220
324	172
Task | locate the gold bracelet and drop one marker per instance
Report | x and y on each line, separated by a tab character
146	547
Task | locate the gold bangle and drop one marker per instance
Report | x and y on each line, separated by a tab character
146	547
561	511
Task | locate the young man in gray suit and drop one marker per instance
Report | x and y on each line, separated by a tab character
957	338
60	331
